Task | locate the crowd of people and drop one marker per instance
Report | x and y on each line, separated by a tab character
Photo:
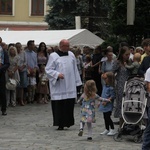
22	73
109	72
63	74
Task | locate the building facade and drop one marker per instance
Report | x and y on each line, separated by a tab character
23	14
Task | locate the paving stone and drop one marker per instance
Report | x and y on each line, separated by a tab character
30	127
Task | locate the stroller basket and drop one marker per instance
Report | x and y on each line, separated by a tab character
132	116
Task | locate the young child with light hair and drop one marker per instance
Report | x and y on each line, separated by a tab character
31	85
135	65
108	92
42	87
88	99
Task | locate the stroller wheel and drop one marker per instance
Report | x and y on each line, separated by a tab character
117	137
137	139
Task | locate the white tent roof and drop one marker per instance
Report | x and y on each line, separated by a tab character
80	37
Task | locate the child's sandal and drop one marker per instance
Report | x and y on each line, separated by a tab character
80	132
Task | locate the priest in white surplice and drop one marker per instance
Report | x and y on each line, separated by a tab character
64	77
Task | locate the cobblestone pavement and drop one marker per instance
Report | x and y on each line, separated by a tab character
30	128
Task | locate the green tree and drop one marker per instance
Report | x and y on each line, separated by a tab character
142	19
133	33
61	15
97	17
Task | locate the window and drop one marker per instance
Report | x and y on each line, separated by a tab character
6	7
37	7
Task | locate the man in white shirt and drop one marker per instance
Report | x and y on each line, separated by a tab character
146	139
32	65
64	77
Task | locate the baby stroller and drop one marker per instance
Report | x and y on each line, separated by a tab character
133	108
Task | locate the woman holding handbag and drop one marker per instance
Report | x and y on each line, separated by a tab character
12	73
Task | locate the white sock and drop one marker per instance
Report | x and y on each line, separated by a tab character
82	125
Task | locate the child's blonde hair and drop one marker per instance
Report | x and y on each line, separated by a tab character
90	88
137	57
111	78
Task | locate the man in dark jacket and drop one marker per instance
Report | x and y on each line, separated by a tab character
145	58
144	66
3	67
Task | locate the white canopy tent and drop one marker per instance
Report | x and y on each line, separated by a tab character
78	37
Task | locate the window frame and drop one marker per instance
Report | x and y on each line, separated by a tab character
32	5
11	3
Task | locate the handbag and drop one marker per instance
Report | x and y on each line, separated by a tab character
11	84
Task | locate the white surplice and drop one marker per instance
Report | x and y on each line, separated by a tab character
63	88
